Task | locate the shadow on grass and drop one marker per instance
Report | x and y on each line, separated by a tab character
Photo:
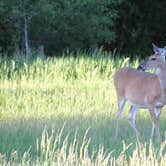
22	135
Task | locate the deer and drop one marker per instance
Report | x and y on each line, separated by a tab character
142	89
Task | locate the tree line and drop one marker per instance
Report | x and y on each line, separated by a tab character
127	25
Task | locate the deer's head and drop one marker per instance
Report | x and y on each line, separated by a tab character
154	61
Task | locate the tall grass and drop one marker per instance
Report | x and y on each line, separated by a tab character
62	111
51	150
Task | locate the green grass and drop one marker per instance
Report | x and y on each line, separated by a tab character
62	111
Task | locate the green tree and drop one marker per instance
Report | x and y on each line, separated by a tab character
19	14
139	24
84	24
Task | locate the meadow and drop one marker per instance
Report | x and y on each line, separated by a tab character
62	111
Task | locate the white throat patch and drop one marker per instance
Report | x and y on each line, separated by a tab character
158	71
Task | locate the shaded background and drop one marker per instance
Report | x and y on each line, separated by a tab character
125	25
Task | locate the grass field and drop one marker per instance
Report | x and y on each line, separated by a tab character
62	111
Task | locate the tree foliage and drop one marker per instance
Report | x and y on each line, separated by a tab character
140	23
59	25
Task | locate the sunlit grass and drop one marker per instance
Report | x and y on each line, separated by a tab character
62	111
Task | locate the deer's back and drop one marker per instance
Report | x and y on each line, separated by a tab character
137	86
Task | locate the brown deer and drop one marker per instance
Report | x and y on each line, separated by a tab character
143	90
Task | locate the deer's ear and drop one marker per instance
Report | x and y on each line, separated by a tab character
155	49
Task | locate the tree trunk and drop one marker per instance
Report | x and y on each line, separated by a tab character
41	51
17	51
27	48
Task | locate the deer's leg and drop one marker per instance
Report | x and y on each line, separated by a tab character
131	117
155	113
121	104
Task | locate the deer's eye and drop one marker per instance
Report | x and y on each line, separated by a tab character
153	59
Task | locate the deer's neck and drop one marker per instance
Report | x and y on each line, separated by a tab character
161	72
